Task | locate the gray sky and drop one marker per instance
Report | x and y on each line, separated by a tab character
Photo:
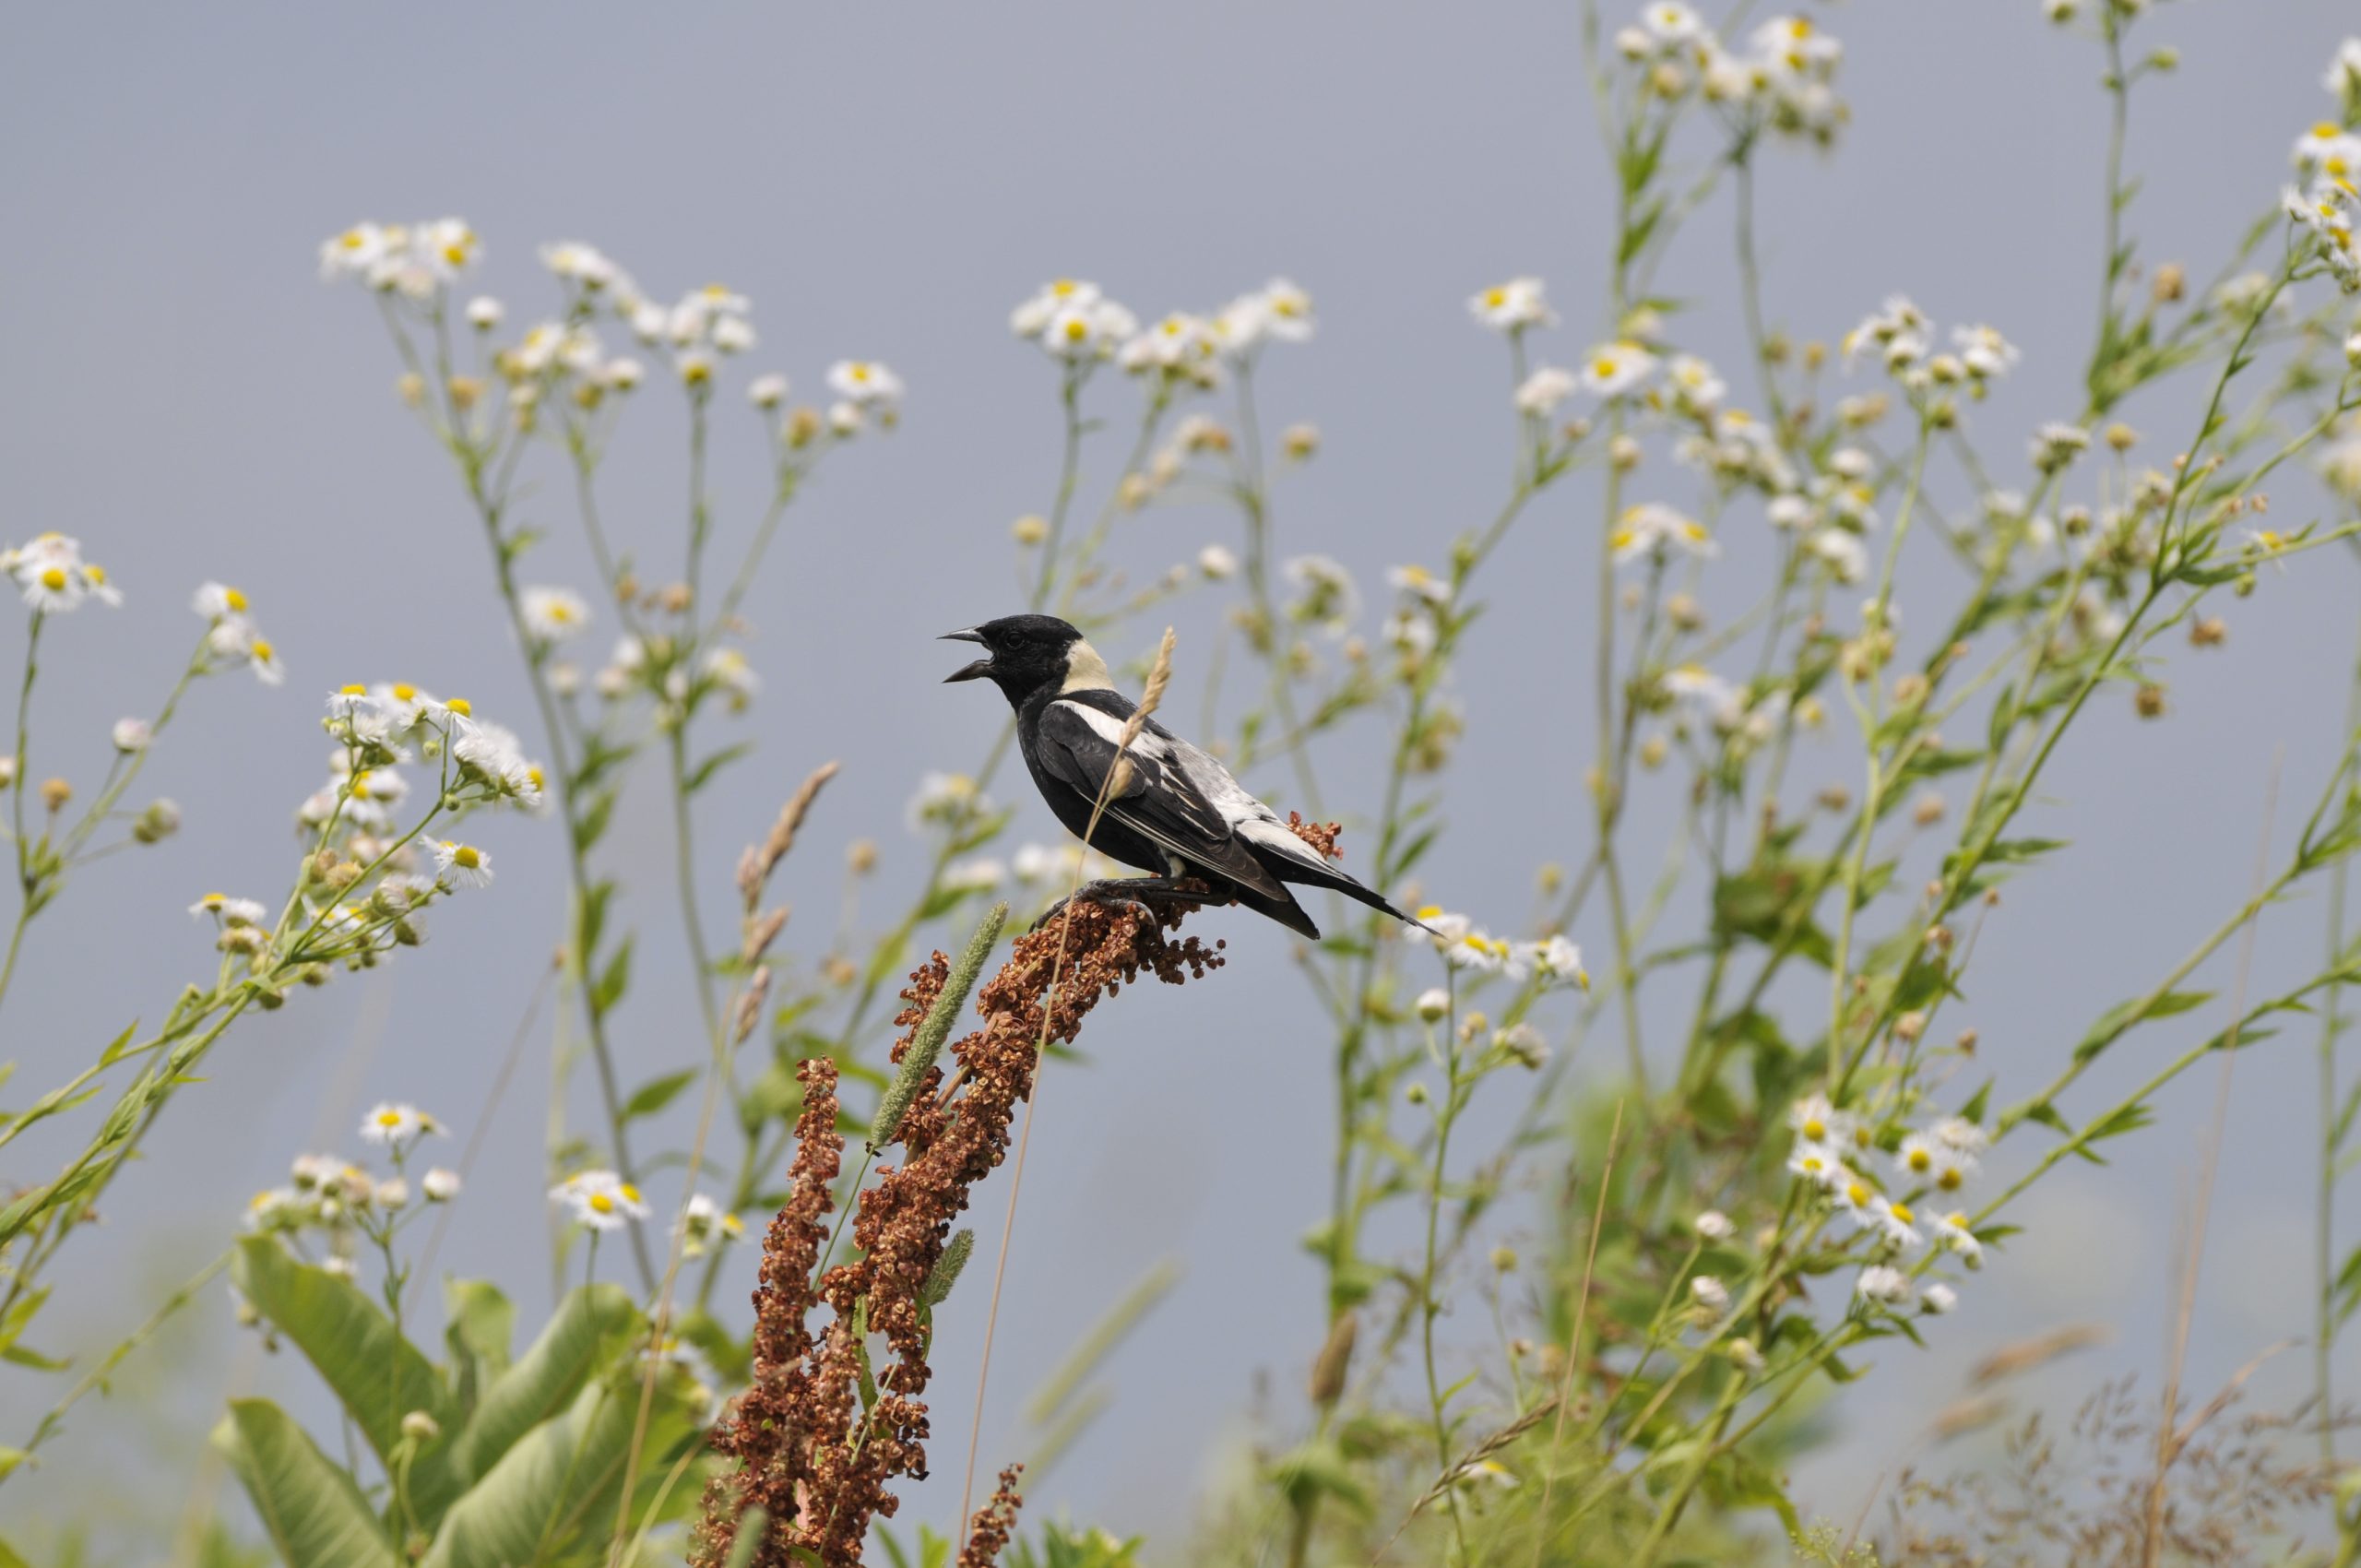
888	183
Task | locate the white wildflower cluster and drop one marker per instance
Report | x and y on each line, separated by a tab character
1414	626
367	883
1548	961
946	800
665	667
2321	205
232	639
599	1200
1903	339
1325	595
1655	532
54	578
1076	323
339	1204
705	1225
1832	1151
414	260
1784	77
1735	712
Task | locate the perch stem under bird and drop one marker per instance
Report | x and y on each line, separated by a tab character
1169	808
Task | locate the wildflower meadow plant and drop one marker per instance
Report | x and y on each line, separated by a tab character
1718	1219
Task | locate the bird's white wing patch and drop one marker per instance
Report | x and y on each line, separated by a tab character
1247	816
1110	730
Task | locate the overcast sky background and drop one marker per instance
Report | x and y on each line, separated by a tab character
888	183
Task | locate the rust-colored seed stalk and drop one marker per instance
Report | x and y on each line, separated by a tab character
820	1466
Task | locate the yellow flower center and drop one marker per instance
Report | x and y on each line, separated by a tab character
2326	129
858	372
264	653
233	598
1602	367
467	856
461	707
716	291
1495	298
630	1191
1921	1161
1064	287
53	580
1857	1193
1077	330
389	1118
1815	1129
601	1204
214	900
353	239
534	773
1430	912
353	691
404	691
95	571
1901	1212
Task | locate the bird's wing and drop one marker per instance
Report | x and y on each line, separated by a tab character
1162	801
1249	818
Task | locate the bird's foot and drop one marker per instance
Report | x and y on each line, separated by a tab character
1139	894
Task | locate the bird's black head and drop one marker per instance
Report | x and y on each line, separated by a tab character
1025	653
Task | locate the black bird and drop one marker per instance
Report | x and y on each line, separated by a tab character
1181	815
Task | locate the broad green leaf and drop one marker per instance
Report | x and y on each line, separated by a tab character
588	1330
702	773
614	979
378	1375
314	1514
559	1486
479	1326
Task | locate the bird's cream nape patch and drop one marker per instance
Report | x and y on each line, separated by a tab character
1086	671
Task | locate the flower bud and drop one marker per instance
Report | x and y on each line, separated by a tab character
159	822
440	1185
420	1427
56	793
1030	529
1434	1005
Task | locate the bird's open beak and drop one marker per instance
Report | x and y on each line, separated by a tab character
966	672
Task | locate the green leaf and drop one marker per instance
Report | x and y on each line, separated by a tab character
558	1487
613	981
479	1327
701	775
379	1376
2124	1016
314	1514
588	1330
657	1093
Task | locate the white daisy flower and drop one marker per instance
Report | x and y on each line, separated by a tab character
1287	312
1612	369
1714	1226
1710	1293
228	910
1694	385
1843	552
1217	562
462	865
599	1200
705	1224
767	391
1541	393
1883	1285
218	600
1032	318
1513	306
1419	583
865	383
1952	1235
440	1185
1819	1164
1938	1300
132	735
397	1124
553	615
